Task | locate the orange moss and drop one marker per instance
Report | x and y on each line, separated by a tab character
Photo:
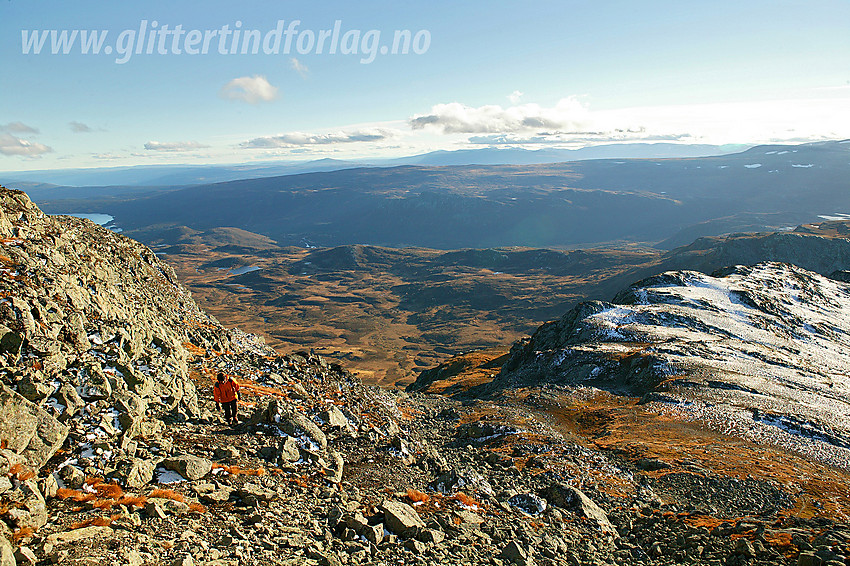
22	472
133	501
109	490
167	494
74	495
466	500
22	533
197	508
237	471
417	496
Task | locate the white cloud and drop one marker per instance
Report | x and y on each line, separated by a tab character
297	139
79	127
299	67
453	118
18	128
516	96
174	146
11	145
249	89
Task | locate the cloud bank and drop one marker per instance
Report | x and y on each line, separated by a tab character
12	145
298	139
174	146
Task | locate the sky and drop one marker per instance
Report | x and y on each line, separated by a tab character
475	74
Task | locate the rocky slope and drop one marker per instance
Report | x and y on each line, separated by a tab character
761	349
111	454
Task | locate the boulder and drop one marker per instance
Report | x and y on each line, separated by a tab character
135	472
28	430
400	518
569	497
7	553
190	467
297	424
29	510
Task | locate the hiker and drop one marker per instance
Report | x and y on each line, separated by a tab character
226	392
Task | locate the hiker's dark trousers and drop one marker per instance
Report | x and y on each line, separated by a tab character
230	410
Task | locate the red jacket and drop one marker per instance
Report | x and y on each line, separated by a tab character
225	392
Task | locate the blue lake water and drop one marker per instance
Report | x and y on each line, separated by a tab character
96	217
244	270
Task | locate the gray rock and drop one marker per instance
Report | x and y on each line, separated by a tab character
569	497
28	430
7	553
154	510
33	389
135	472
515	553
25	556
528	503
400	518
296	424
289	450
68	397
72	476
190	467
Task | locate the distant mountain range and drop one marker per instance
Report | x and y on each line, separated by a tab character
170	175
665	202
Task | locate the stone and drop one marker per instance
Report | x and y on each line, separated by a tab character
190	467
528	503
7	553
515	553
569	497
186	560
400	518
85	533
72	476
289	450
415	546
296	424
154	510
30	510
135	472
28	430
25	557
374	533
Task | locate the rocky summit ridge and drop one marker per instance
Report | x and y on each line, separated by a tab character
110	451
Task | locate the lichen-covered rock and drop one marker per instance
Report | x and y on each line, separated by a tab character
28	430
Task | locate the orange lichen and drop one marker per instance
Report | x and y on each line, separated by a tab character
167	494
22	533
22	472
133	501
417	496
466	500
237	471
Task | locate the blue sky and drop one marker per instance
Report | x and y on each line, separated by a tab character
533	74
